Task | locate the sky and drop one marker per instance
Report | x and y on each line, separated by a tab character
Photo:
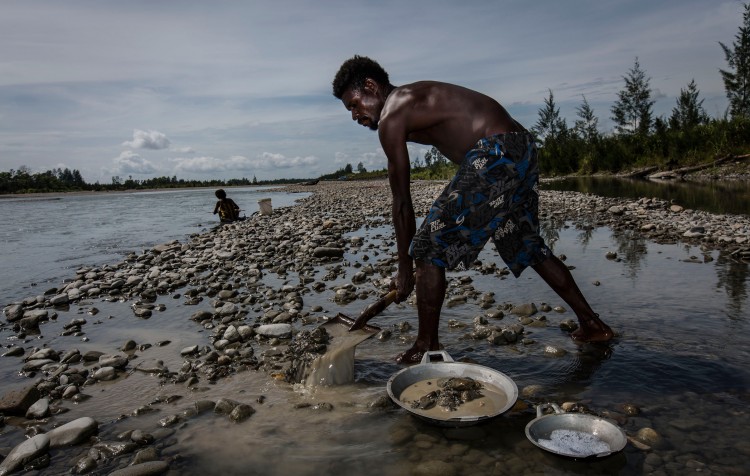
231	89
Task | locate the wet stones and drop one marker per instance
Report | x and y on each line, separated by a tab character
281	331
73	433
25	453
17	402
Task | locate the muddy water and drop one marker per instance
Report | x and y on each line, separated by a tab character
336	365
491	401
681	357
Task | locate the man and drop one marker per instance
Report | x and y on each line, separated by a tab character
493	195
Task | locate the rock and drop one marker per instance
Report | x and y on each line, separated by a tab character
85	465
145	455
241	413
143	469
189	350
695	232
72	433
524	310
13	312
116	361
648	436
434	468
36	314
281	331
105	373
676	209
40	409
128	346
24	453
225	406
554	351
17	402
327	252
14	351
112	449
59	299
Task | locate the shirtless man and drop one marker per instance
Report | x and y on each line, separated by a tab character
493	195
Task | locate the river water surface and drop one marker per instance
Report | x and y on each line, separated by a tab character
681	355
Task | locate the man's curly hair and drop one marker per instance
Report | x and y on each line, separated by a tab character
353	73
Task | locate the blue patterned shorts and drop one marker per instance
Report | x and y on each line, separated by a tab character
493	195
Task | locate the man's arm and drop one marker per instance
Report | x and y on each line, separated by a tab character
393	139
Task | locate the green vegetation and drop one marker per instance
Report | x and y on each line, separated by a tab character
687	137
65	180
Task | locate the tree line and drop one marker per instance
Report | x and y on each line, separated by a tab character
66	180
688	136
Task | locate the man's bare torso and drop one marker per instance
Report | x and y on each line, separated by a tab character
449	117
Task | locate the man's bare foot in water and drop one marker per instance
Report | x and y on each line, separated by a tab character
592	330
412	356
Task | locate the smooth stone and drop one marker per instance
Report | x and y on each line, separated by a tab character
72	433
275	330
524	310
142	469
116	361
105	373
17	402
241	413
13	312
145	455
59	299
37	314
14	351
40	409
192	349
225	406
25	452
554	351
112	449
434	468
328	252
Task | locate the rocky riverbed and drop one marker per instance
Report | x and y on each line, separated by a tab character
250	283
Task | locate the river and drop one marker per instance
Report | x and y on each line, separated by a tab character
43	239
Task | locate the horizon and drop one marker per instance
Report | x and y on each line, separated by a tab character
227	90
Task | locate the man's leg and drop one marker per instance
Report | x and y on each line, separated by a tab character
430	295
558	277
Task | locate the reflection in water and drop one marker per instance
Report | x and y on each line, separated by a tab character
713	196
631	249
732	275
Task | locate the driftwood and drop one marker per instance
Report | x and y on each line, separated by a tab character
640	173
694	168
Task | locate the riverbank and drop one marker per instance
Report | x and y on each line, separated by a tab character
246	289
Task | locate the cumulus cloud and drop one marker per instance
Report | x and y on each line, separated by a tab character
183	150
131	163
154	140
264	161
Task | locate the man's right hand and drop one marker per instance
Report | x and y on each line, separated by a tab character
404	283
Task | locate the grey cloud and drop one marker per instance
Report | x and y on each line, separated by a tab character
238	163
154	140
131	163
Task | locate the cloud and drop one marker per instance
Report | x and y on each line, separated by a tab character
183	150
238	163
154	140
131	163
